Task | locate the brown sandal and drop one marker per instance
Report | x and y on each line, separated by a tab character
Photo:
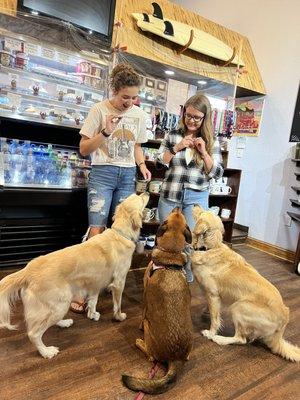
81	304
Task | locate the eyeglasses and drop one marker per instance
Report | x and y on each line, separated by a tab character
196	118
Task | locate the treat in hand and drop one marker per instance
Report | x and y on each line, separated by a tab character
111	123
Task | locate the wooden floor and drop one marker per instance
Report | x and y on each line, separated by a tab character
94	354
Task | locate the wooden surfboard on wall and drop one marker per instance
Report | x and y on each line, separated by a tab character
180	33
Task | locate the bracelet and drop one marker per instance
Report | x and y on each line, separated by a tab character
172	151
142	162
105	134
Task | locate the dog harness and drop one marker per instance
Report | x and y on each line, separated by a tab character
155	267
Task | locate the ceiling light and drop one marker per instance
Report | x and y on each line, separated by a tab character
202	82
34	12
168	72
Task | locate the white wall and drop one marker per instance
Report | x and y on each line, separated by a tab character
273	29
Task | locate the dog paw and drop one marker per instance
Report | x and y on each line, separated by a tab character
65	323
95	316
120	316
49	352
207	333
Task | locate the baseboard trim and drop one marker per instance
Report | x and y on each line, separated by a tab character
240	227
276	251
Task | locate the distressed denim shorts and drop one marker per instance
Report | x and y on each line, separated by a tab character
108	186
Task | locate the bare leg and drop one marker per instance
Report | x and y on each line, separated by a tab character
214	306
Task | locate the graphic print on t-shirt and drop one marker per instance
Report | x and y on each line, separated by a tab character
120	145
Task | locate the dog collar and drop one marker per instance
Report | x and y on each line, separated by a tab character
124	236
172	266
169	251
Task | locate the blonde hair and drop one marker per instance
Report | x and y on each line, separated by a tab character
202	104
123	75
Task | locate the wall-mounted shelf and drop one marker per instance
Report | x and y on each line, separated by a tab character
43	78
296	188
295	202
294	216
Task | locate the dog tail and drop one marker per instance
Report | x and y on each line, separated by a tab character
9	293
283	348
155	386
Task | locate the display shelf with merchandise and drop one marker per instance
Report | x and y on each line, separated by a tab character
295	203
43	82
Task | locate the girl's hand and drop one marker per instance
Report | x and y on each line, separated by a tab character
200	146
145	172
111	123
187	141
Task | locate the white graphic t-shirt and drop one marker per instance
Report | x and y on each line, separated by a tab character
118	149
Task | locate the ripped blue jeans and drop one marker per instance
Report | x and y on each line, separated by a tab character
108	186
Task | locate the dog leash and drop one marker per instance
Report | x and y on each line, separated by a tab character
151	375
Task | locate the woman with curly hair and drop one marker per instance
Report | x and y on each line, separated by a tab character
112	134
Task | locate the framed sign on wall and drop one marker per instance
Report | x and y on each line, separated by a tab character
295	131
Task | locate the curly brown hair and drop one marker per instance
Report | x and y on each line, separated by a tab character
123	75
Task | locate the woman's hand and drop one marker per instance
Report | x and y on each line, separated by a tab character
145	172
111	123
187	141
200	146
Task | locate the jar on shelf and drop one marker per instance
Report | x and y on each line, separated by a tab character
84	67
21	60
96	71
6	58
13	84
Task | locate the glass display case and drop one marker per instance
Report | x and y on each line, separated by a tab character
24	164
48	84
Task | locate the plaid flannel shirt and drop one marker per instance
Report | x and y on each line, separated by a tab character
180	176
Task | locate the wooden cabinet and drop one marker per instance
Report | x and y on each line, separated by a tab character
295	215
228	201
222	201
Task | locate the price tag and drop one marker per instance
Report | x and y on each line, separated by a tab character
14	99
60	111
48	53
33	49
61	88
97	97
79	93
12	44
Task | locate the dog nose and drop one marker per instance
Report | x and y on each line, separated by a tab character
176	209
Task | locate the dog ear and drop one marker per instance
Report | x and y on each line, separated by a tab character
136	218
188	235
161	230
221	226
197	211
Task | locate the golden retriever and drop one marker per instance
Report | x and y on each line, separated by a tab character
256	306
166	320
49	283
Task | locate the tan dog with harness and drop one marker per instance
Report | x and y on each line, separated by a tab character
166	320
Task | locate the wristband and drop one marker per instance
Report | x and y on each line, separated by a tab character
172	151
105	134
142	162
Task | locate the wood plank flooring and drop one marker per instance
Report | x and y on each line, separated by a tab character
94	354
